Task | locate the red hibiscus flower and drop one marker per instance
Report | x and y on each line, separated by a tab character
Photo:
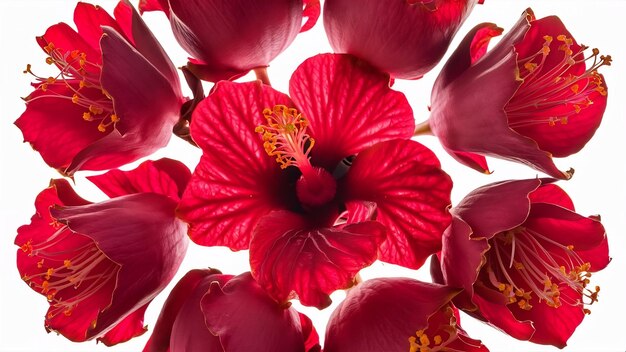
532	97
115	99
228	38
308	218
212	312
101	264
397	314
404	38
524	258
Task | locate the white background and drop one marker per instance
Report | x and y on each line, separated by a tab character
597	187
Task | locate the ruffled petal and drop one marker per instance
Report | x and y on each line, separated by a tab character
462	257
236	182
129	327
292	258
381	314
349	106
496	207
246	319
165	176
187	292
412	196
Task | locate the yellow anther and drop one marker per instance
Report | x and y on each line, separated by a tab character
561	37
87	116
49	273
67	312
523	304
67	263
95	109
548	39
530	66
45	286
114	118
48	48
438	340
424	340
518	265
49	60
102	128
40	264
27	247
75	98
575	88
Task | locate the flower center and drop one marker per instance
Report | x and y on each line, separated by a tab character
78	81
70	269
526	262
284	137
550	93
447	327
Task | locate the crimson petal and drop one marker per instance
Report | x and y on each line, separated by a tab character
165	176
340	90
412	196
236	182
292	258
246	319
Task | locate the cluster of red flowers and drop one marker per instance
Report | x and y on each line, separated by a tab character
317	184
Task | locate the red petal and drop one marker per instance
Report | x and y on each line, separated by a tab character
129	327
311	338
154	5
381	314
568	228
551	194
236	182
471	49
246	319
55	127
349	106
462	256
189	290
498	315
89	19
164	176
475	161
312	10
138	33
412	196
496	207
553	326
290	257
67	39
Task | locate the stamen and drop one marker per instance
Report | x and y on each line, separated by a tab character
546	90
532	266
77	270
421	342
82	77
284	136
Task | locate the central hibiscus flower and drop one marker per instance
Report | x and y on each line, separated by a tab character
349	186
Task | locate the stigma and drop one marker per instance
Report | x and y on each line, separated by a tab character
556	85
78	81
529	268
284	138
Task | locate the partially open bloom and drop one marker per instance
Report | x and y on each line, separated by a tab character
405	38
535	95
524	259
211	312
228	38
100	264
342	183
398	314
115	99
